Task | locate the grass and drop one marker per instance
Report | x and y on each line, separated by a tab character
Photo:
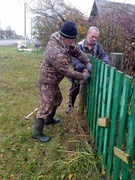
68	156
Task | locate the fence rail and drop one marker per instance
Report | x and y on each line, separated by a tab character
111	119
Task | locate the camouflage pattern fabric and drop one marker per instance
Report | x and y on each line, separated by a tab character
56	61
50	96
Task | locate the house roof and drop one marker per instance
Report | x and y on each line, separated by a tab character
101	7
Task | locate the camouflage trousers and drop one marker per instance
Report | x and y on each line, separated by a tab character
50	97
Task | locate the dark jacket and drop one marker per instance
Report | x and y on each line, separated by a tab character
97	51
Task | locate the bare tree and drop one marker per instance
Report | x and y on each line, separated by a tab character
117	34
9	32
49	15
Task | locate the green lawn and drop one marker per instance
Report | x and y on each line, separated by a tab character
68	156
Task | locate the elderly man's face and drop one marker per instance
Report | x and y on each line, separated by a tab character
92	37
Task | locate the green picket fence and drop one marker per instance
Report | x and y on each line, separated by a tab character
111	119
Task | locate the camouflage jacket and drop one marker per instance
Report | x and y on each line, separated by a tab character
56	61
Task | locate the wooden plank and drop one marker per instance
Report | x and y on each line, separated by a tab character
98	67
93	95
125	101
134	174
103	122
108	110
130	144
122	155
92	91
101	77
103	109
89	96
114	118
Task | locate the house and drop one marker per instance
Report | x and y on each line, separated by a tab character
7	34
102	7
117	29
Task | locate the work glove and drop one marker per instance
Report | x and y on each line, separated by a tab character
89	67
86	75
72	47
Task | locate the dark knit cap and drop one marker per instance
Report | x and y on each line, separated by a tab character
69	30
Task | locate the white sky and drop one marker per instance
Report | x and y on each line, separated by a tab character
12	12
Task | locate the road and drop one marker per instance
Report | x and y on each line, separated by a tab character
9	42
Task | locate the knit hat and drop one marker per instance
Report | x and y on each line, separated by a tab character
69	30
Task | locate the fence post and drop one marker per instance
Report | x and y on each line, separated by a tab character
82	96
82	99
116	60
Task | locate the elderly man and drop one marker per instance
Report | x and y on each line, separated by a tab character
59	50
89	45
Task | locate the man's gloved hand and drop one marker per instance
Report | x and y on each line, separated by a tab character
89	67
72	47
86	75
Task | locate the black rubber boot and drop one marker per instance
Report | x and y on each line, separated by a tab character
74	91
69	109
38	131
50	119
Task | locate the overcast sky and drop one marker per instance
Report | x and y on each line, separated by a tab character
12	12
86	5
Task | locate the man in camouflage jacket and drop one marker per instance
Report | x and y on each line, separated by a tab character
55	66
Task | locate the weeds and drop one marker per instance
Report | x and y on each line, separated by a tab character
78	164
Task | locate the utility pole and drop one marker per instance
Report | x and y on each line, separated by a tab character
25	22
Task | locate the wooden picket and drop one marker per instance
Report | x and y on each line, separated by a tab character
111	119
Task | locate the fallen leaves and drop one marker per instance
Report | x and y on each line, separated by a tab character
70	176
